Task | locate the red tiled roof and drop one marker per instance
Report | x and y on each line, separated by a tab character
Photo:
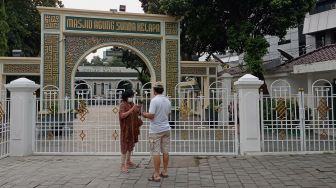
325	53
234	71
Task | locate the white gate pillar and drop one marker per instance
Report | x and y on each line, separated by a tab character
22	116
226	80
248	99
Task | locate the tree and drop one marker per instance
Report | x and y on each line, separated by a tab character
85	62
4	29
214	26
203	24
96	61
24	22
133	61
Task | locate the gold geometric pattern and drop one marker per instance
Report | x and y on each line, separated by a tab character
115	135
171	28
219	135
76	46
51	21
171	66
51	59
282	134
50	135
82	135
281	108
82	110
194	70
20	68
185	110
115	110
184	135
324	135
323	109
2	112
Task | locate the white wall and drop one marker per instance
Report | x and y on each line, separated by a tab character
291	48
297	81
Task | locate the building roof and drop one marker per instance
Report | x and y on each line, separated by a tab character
234	71
325	53
106	74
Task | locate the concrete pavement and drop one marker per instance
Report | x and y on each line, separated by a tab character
317	170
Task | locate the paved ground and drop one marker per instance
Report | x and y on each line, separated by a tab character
186	171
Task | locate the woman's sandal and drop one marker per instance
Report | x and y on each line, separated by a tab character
124	170
131	165
153	179
164	176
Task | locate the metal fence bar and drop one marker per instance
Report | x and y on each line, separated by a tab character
91	126
4	128
300	122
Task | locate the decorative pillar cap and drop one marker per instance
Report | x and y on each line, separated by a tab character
22	84
248	81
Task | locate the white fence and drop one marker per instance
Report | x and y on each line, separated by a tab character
289	123
301	122
4	128
91	126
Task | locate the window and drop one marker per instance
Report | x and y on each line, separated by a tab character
94	89
102	88
302	40
284	41
320	40
333	37
324	5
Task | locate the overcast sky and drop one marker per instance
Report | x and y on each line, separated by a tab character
106	5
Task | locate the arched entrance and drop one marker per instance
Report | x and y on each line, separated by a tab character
153	73
124	84
68	35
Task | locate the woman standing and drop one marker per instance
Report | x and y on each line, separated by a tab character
129	129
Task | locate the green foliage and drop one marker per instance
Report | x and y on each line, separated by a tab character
255	49
25	25
213	26
4	29
127	59
96	61
203	25
133	61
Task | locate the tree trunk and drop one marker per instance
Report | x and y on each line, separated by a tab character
263	87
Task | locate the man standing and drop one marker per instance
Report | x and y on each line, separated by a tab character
159	131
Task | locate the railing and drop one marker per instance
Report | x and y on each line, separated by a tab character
91	126
4	128
299	123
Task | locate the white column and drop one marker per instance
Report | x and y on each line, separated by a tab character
226	80
22	116
310	91
248	97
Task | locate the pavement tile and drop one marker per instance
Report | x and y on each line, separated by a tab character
219	171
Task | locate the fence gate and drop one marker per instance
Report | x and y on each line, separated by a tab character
83	125
300	122
4	127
